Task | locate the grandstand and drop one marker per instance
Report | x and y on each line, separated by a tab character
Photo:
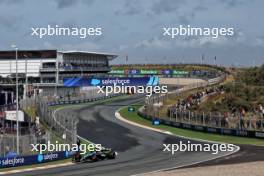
167	70
45	69
40	72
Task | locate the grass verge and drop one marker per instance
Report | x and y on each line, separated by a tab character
134	117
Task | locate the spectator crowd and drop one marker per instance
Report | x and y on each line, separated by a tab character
237	118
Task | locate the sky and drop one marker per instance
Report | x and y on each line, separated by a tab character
133	28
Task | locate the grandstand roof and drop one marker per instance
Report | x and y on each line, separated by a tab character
22	54
10	54
109	56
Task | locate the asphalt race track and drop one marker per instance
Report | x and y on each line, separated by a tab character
139	150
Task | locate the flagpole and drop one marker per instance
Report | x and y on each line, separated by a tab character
17	122
215	60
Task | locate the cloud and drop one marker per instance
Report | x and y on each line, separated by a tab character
233	3
122	47
166	6
131	7
153	42
9	2
83	46
207	41
260	41
69	3
134	26
200	8
65	3
88	2
178	8
192	41
86	46
10	22
69	23
239	36
184	19
200	41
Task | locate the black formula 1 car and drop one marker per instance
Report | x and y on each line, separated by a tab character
105	153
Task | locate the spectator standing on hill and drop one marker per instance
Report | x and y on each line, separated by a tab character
78	143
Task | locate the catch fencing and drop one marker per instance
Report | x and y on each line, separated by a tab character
63	125
49	125
217	119
254	123
8	141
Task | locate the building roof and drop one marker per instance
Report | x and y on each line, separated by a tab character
108	55
22	54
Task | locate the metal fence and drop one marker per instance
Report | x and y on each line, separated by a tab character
174	93
62	127
50	125
8	140
217	119
152	108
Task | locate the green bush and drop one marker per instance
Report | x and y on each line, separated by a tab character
247	91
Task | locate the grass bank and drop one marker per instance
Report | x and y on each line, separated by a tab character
134	117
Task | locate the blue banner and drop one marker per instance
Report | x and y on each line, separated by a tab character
167	72
33	159
134	72
125	81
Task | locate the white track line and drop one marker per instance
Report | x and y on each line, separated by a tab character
118	116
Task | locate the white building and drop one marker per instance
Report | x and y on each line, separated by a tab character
45	64
34	60
47	68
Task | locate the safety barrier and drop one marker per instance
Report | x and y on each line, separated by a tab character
65	102
202	128
6	162
57	126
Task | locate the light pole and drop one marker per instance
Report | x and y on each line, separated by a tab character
17	125
56	78
26	82
26	85
215	60
202	60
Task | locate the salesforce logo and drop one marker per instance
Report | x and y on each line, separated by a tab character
153	81
95	82
66	154
45	157
40	158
